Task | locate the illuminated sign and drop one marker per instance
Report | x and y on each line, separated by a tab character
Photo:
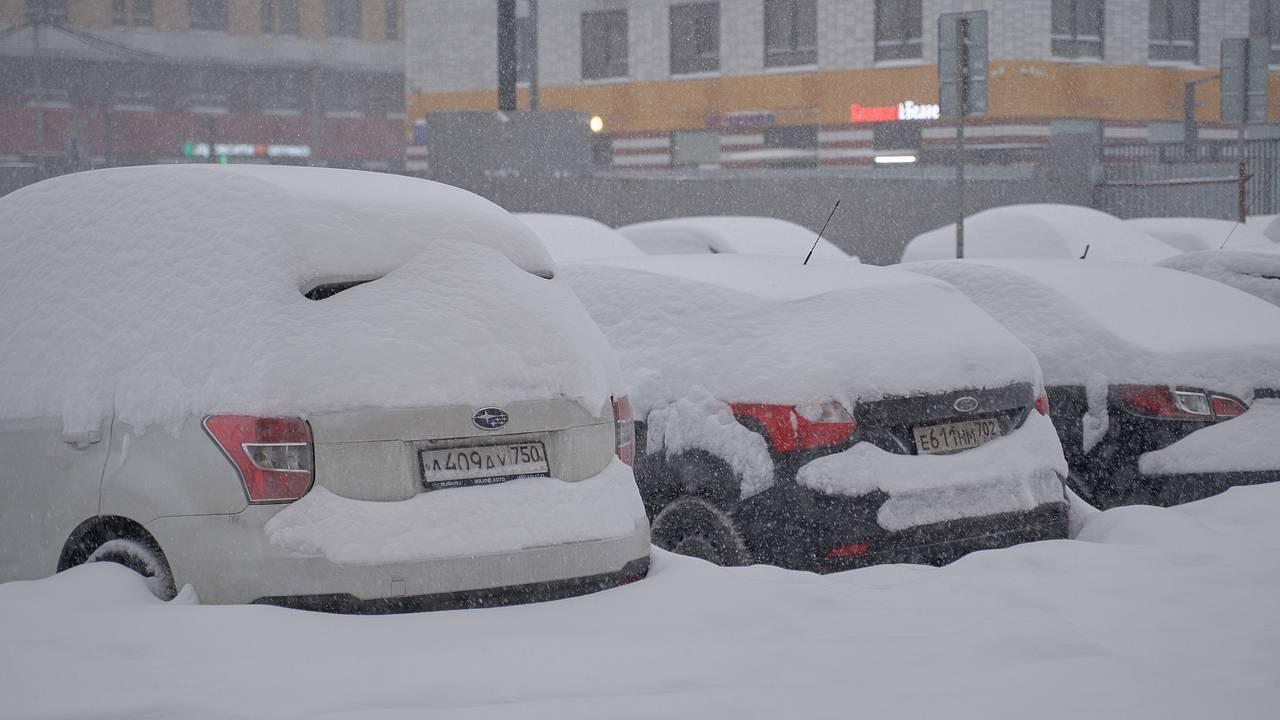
906	110
191	149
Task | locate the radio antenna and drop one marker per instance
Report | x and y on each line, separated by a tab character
819	238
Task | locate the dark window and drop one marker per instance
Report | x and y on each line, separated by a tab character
267	16
898	29
1077	28
344	93
1175	30
342	18
207	14
526	48
53	11
288	22
801	140
790	32
142	13
119	12
896	136
604	44
695	38
393	19
1264	21
282	91
207	87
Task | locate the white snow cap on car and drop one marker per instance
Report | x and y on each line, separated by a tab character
1040	231
1257	273
573	237
1125	322
169	291
1192	234
729	234
765	329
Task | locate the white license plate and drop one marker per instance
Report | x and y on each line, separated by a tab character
459	467
949	437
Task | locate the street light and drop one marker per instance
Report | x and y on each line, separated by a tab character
596	123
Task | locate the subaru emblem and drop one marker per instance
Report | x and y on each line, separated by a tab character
490	418
967	403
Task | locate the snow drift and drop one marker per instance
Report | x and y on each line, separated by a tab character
570	237
729	234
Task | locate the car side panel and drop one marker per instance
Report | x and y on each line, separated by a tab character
48	486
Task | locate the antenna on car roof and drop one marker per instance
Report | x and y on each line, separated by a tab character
824	229
1086	251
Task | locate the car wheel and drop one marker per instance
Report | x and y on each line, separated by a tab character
141	558
694	527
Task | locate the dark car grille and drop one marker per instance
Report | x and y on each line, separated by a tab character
888	423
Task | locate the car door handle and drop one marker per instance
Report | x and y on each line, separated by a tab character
83	439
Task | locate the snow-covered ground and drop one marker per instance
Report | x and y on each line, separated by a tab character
1149	613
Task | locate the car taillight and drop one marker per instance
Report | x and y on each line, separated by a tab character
849	550
624	430
1163	401
272	454
1042	404
801	427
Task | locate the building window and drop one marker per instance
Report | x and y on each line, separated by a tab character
1264	21
207	14
1175	30
267	16
695	38
898	30
48	11
393	19
142	13
604	44
790	32
526	48
119	12
1077	28
342	18
288	20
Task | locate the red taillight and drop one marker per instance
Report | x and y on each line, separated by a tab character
624	430
1226	407
849	550
801	427
1042	404
272	454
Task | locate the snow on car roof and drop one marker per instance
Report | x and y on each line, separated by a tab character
757	329
1043	231
1257	273
1192	234
573	237
169	291
1125	322
729	234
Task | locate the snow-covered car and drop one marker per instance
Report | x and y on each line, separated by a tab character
1257	273
573	237
1164	386
730	234
1193	234
1041	231
315	388
824	417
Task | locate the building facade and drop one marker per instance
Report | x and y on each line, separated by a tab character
93	83
818	82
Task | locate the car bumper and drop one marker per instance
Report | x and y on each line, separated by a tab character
1169	490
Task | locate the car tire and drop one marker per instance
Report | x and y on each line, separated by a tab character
142	558
693	526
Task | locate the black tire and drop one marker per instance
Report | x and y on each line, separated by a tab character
693	526
141	557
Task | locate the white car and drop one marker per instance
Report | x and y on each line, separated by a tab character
573	237
1255	270
1041	231
1193	234
314	388
730	235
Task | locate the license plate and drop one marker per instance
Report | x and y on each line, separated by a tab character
460	467
949	437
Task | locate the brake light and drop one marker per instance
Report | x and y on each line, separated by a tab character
624	430
272	454
849	550
1042	404
801	427
1162	401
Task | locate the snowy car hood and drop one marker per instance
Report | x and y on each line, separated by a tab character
833	330
1257	273
163	292
730	234
1124	322
1040	231
1192	234
572	237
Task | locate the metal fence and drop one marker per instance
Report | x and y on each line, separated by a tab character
1180	179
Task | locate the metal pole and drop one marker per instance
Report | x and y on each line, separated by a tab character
1242	189
35	69
962	83
507	55
533	56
